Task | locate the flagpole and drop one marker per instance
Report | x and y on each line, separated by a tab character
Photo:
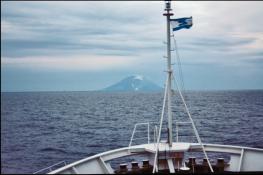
169	72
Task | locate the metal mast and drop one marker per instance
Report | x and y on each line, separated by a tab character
169	71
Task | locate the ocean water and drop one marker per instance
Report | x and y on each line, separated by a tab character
39	129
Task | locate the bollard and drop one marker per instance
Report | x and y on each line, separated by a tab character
220	164
135	168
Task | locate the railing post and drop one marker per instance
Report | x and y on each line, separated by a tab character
132	134
134	130
241	159
177	132
154	135
148	133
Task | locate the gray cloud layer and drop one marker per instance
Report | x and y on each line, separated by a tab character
129	34
40	28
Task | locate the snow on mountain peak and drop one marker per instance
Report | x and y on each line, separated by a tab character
138	77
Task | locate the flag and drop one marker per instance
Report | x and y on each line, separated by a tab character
181	23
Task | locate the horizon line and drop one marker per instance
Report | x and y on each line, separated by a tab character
202	90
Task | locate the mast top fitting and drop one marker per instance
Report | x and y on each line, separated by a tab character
168	8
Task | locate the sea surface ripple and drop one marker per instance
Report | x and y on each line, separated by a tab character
39	129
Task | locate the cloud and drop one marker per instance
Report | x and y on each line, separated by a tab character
121	38
57	25
223	42
78	62
129	31
31	29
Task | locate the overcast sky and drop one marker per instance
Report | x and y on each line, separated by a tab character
54	46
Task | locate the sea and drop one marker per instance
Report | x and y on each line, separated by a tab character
39	129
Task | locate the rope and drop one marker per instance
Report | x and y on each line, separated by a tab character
179	66
193	125
184	94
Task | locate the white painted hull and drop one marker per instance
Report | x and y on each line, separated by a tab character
241	158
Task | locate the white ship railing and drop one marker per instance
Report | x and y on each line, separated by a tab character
133	138
49	169
134	131
155	132
177	129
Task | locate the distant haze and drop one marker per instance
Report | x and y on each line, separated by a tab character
90	45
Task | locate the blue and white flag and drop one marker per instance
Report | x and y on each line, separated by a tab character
181	23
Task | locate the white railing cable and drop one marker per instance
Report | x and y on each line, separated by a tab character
177	123
160	128
193	125
50	167
140	138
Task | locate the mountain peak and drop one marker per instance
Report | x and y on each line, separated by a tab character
134	83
